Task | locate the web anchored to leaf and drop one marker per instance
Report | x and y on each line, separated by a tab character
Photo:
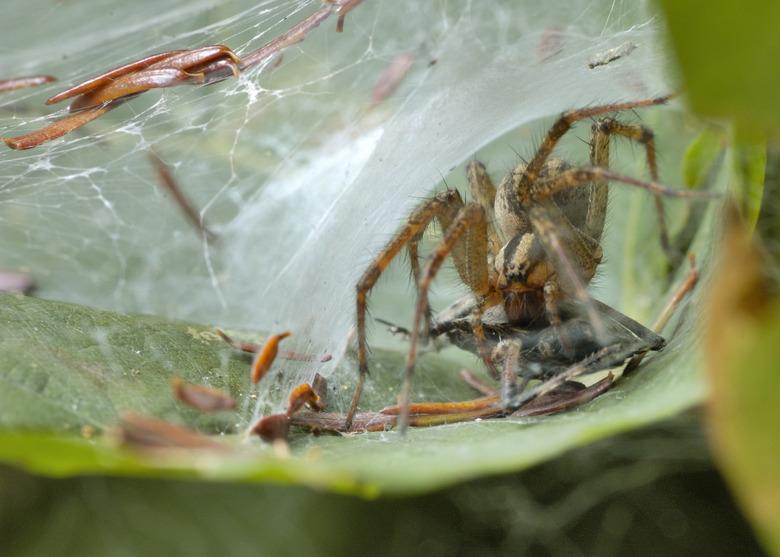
306	163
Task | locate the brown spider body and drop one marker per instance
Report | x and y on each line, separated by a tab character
522	267
529	248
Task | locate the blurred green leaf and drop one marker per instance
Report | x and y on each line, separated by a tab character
746	412
701	156
70	367
728	52
745	409
629	494
749	166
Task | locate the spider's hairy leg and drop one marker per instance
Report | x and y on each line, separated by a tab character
484	192
575	245
419	220
553	295
414	257
524	197
511	351
562	125
602	130
471	227
575	177
479	336
414	263
576	257
482	189
444	217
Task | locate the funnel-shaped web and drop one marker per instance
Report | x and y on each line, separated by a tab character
302	176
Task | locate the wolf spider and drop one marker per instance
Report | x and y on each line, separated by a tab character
528	247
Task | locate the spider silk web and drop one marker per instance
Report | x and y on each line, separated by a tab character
301	175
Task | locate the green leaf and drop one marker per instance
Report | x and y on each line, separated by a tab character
742	355
749	158
725	51
701	156
746	420
612	497
70	366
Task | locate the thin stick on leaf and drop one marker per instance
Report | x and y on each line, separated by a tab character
58	128
298	32
24	82
391	78
144	432
168	182
347	7
265	358
201	397
253	348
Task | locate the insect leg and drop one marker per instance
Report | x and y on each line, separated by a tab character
685	287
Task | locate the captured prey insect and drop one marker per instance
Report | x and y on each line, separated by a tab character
526	250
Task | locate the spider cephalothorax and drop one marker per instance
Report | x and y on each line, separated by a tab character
527	246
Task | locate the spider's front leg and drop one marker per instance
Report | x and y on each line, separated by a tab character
438	207
468	230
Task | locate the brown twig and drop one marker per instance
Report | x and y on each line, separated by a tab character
58	128
168	182
297	33
252	348
15	283
345	8
390	79
143	432
266	356
24	82
201	397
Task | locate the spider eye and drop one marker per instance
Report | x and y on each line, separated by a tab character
517	272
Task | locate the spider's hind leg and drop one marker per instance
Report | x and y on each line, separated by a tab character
603	130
